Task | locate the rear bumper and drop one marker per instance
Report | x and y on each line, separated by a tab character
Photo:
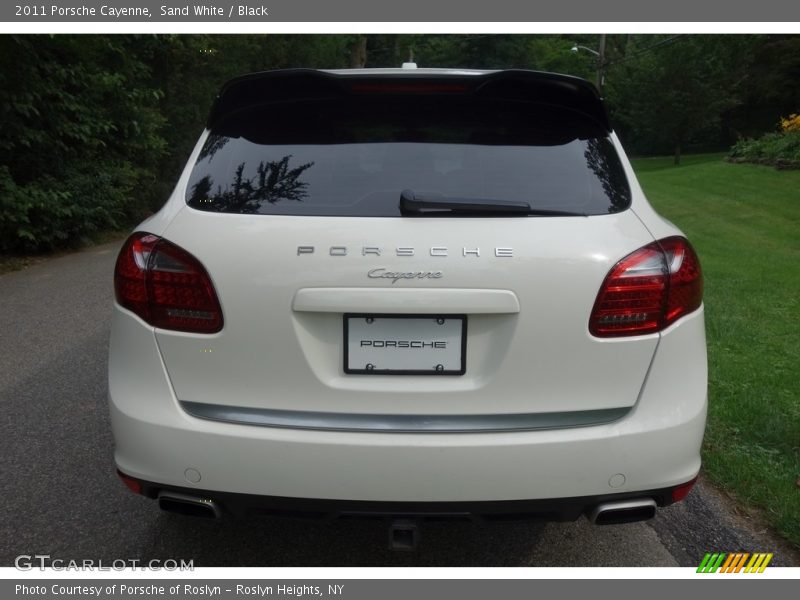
654	447
552	509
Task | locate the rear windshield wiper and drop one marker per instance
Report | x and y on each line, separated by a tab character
432	205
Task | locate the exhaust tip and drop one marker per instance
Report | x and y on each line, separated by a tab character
627	511
192	506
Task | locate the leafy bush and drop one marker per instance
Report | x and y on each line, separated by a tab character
95	129
46	214
81	138
790	123
781	150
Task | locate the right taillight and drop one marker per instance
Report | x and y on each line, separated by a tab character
166	286
648	290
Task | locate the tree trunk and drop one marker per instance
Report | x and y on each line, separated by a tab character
358	53
677	153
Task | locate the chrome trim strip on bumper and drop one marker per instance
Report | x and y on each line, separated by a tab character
328	421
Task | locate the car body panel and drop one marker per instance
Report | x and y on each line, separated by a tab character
540	359
655	445
529	353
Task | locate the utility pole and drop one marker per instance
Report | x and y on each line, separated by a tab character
601	63
600	60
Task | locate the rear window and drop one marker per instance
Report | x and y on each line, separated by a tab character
354	156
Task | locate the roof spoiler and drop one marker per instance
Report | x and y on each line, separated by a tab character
259	89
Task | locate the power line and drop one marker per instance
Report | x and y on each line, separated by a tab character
644	50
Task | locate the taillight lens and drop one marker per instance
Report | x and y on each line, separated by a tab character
685	281
166	286
648	290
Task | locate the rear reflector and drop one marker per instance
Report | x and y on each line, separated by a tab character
648	290
132	484
166	286
680	492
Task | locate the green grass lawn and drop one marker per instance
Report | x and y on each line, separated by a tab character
744	221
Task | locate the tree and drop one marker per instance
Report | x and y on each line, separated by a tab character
358	52
96	129
81	137
772	86
670	91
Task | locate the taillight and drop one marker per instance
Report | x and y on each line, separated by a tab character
648	290
166	286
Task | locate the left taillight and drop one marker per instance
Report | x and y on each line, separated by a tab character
166	286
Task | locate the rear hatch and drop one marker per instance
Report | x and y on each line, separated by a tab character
420	245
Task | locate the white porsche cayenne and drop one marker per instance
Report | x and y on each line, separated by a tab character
408	293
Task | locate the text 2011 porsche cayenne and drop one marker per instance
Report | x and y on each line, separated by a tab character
409	292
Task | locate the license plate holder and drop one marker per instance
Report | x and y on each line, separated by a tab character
379	344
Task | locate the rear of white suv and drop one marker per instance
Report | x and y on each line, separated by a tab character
409	292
